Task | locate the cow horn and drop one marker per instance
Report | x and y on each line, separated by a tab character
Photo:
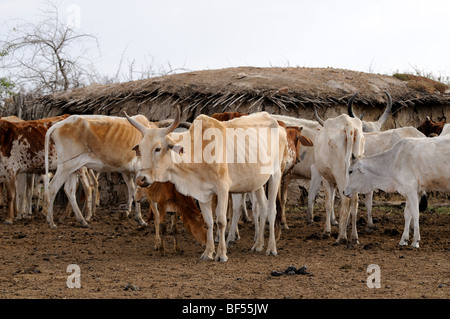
175	123
350	105
136	124
317	116
385	115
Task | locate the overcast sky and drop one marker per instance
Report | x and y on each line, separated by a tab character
382	36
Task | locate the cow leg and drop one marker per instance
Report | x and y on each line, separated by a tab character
255	212
87	188
314	186
354	212
70	187
245	216
221	221
175	234
129	181
368	201
29	196
207	217
162	209
24	195
414	211
283	197
343	219
10	197
261	200
63	172
329	189
236	207
274	185
154	213
408	216
93	178
21	195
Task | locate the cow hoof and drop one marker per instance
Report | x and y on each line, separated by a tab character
256	248
205	257
271	252
221	259
415	244
340	241
141	222
326	234
403	242
8	222
355	242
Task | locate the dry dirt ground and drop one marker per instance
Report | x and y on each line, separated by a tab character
117	260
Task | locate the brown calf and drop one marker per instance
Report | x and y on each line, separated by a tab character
430	127
169	199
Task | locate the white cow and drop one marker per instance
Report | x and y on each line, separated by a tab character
339	139
412	166
445	130
379	142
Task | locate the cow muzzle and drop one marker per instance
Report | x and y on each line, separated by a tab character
142	181
348	193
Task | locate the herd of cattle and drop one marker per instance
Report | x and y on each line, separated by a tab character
157	162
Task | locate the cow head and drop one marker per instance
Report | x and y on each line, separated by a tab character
155	151
429	127
357	181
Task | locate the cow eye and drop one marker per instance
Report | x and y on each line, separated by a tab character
350	172
158	149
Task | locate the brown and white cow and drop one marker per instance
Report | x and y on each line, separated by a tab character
163	198
430	127
102	143
205	161
22	151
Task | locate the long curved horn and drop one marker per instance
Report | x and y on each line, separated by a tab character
175	123
185	125
350	105
164	123
317	116
387	111
136	124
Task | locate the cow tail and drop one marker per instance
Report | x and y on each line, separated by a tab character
348	152
46	177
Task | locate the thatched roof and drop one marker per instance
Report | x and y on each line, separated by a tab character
229	88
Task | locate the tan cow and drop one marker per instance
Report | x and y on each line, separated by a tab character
102	143
206	160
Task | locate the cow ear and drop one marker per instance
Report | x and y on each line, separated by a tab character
177	149
137	150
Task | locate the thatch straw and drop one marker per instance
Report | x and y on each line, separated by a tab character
228	89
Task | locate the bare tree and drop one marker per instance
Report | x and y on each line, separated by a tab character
49	55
